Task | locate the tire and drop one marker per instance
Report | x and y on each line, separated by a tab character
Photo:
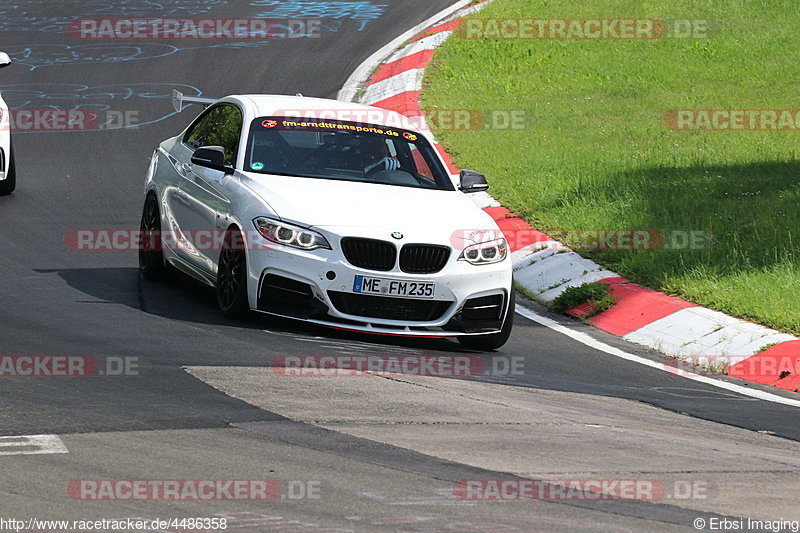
232	276
151	256
8	185
495	340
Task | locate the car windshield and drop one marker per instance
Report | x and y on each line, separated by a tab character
349	151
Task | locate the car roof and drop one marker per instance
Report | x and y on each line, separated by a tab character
266	105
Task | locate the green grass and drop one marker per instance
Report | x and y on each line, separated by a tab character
599	156
597	295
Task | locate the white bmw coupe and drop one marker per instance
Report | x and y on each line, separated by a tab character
290	206
8	178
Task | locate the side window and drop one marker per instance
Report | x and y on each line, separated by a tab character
220	126
200	131
227	132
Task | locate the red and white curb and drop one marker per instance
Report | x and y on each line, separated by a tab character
547	268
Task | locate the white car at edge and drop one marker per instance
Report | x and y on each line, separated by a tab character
344	224
8	178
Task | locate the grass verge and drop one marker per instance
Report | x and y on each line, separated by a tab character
597	295
599	156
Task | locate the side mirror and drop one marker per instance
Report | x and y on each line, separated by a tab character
212	157
472	181
4	60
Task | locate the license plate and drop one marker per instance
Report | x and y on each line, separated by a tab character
394	287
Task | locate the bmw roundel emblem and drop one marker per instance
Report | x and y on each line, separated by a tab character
397	235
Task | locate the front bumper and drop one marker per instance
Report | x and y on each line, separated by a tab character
468	299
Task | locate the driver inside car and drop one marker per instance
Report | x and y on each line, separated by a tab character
375	156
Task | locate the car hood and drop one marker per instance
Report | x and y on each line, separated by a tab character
332	203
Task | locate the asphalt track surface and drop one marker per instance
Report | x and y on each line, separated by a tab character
58	301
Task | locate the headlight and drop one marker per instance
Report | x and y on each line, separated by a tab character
290	235
485	253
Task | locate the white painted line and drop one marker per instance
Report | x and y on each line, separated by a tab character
41	444
361	74
616	352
